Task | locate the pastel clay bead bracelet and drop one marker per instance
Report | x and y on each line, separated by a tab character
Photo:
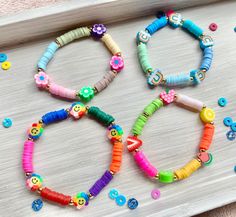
207	116
154	76
86	93
35	182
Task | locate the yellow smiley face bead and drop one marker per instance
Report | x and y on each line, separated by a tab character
77	110
35	131
207	115
34	182
81	200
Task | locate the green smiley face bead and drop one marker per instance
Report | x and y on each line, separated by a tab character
86	93
166	176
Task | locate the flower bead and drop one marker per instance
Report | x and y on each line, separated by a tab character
114	132
98	30
41	79
86	93
35	131
117	63
34	182
81	200
77	110
143	37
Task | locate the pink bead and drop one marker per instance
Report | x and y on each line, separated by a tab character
27	157
62	91
213	27
189	102
117	63
169	12
156	193
167	97
144	164
41	79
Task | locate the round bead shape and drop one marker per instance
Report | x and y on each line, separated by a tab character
207	115
120	200
213	27
37	205
7	122
113	194
6	65
35	182
3	57
222	102
228	121
87	92
233	126
202	157
231	135
154	76
132	203
156	193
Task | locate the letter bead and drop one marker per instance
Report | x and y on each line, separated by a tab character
133	143
206	41
175	20
143	37
155	78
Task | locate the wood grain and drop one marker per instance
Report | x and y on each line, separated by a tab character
72	155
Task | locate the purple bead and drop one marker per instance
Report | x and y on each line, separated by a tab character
98	30
100	183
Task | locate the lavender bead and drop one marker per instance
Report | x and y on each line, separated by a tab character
98	30
101	183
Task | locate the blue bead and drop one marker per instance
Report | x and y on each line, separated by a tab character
235	28
156	25
3	57
120	200
222	102
206	41
113	194
181	79
196	79
231	135
37	205
7	122
132	203
228	121
52	117
192	28
175	20
233	126
207	58
235	169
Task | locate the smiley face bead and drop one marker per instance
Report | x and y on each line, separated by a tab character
114	132
175	20
81	200
206	41
77	110
34	182
35	131
155	78
207	115
143	37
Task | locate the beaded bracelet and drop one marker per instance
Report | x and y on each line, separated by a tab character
77	110
207	116
86	93
155	77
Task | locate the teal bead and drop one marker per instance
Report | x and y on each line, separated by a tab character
166	176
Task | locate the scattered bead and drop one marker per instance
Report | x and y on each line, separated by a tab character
114	132
117	63
156	193
133	143
213	27
98	30
233	126
175	19
113	194
155	78
222	102
231	135
235	29
228	121
77	110
207	115
34	182
3	57
7	122
143	37
37	205
86	93
41	79
132	203
6	65
235	169
35	131
168	97
120	200
81	200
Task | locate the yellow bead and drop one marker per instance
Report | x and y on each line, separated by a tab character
207	115
6	65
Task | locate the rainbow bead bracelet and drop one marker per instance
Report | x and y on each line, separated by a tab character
154	76
77	110
86	93
207	116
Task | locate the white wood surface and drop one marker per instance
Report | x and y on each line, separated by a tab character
71	156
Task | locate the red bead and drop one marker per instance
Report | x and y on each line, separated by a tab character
169	12
133	143
213	27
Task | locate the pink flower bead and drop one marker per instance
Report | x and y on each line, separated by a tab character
117	63
41	79
168	97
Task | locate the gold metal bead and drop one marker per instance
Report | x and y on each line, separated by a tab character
136	150
175	178
118	54
27	175
30	139
112	173
58	43
90	196
157	176
39	190
71	203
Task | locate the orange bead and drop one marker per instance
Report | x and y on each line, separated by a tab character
116	156
207	137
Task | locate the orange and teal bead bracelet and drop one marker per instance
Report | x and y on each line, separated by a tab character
86	93
134	143
35	182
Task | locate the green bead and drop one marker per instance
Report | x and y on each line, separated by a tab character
166	176
86	93
208	163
